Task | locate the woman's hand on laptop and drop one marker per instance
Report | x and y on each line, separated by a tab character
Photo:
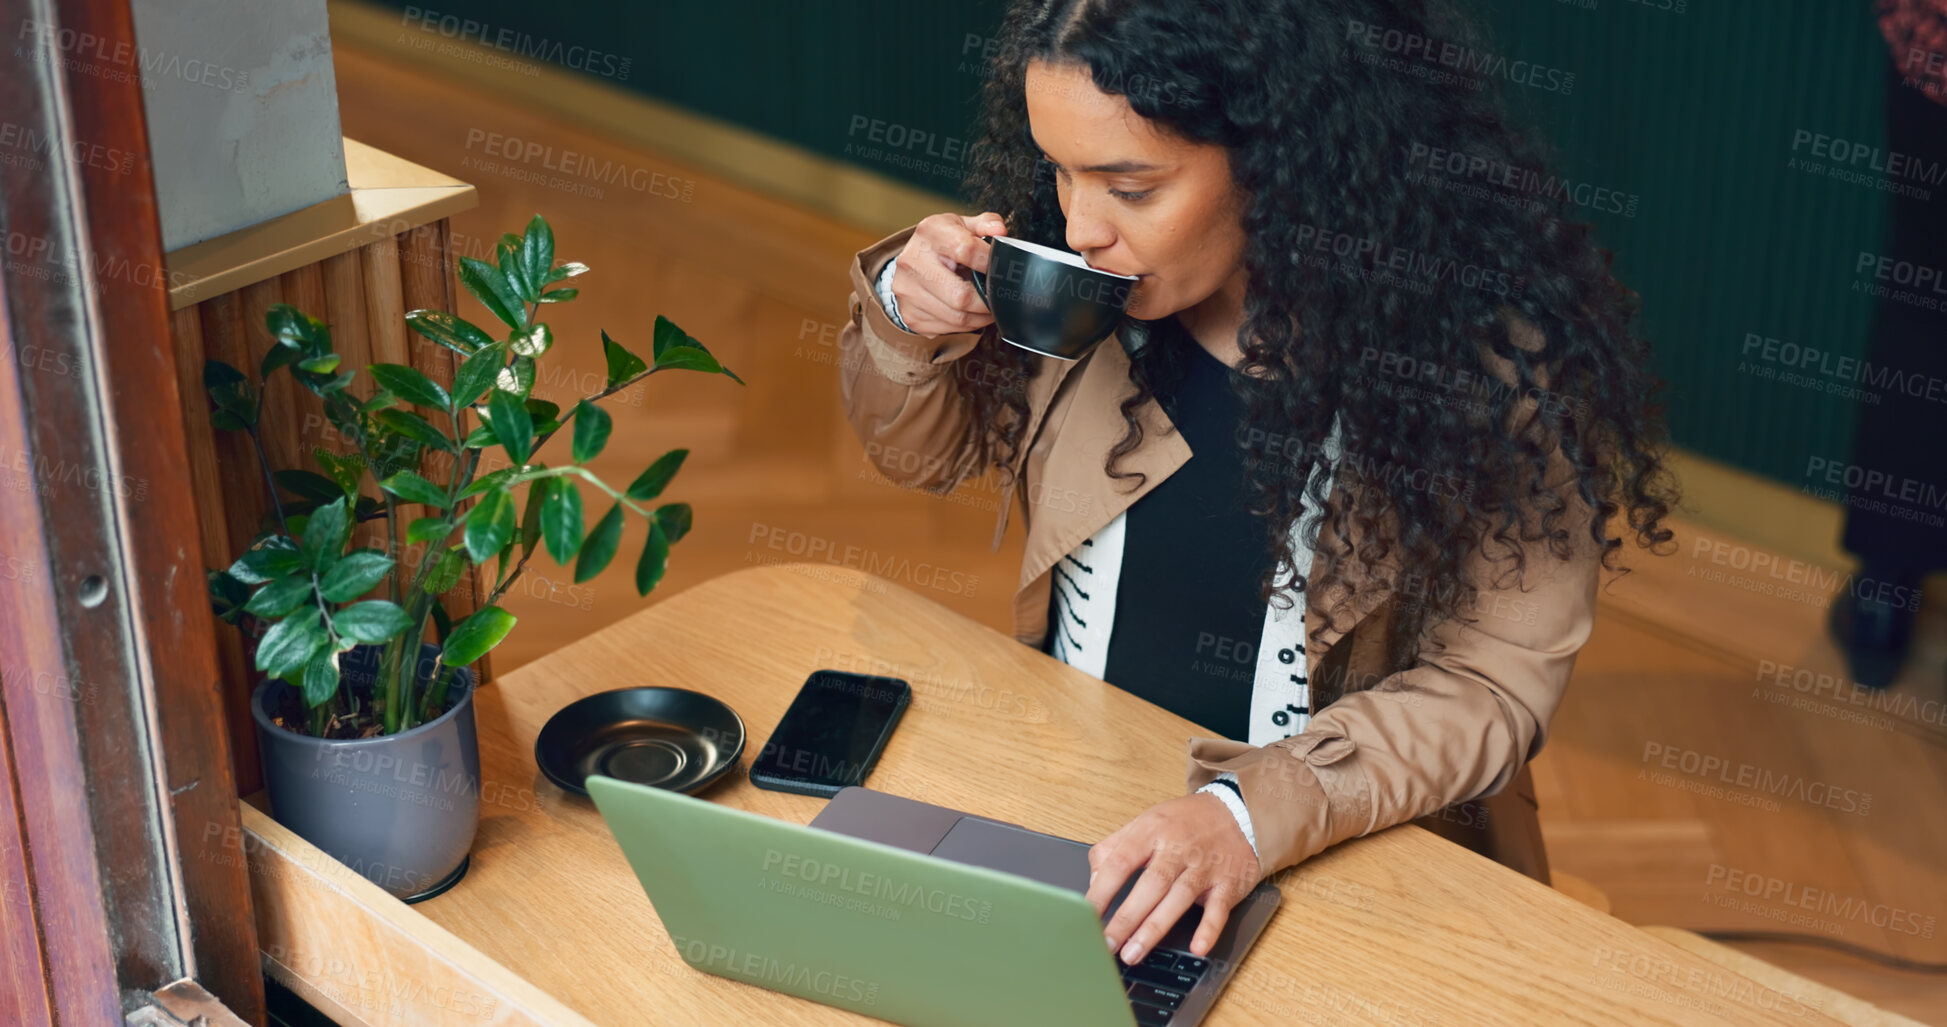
1189	850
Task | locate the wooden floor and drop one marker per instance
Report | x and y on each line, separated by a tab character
1676	669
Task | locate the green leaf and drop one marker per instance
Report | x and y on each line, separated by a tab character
414	489
427	529
513	425
416	428
592	425
291	642
442	621
410	385
650	483
493	480
600	547
476	636
562	521
320	365
537	254
674	519
224	420
562	295
374	620
526	286
345	470
280	597
217	375
654	560
324	535
489	525
476	375
450	330
446	573
517	377
533	342
490	286
541	410
320	677
355	575
270	558
379	401
537	491
308	485
231	392
280	355
622	364
227	596
676	348
291	325
482	436
568	270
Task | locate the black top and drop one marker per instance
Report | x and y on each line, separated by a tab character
1187	615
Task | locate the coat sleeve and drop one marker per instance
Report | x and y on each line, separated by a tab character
904	405
1456	726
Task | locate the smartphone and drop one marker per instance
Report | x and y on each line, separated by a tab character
832	734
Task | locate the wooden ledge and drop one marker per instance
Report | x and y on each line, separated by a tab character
388	196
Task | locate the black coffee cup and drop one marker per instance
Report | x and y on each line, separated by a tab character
1049	301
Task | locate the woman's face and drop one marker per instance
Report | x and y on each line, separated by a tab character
1138	201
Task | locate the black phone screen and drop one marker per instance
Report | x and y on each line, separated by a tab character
832	733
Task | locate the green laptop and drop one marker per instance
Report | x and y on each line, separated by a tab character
908	912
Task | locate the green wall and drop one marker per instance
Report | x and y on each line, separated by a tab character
1692	112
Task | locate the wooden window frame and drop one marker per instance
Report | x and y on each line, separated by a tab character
123	890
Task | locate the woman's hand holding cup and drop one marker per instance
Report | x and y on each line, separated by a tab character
935	298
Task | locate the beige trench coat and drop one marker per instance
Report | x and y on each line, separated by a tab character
1445	742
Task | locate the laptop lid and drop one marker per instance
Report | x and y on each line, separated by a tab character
856	924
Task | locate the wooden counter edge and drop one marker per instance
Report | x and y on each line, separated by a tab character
365	959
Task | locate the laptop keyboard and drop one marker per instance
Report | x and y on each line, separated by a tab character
1156	985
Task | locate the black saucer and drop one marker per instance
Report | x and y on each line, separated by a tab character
664	737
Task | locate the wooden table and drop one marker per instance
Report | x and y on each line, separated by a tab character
550	925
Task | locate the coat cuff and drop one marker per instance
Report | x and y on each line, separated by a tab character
900	355
1302	795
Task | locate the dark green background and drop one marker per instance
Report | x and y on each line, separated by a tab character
1693	112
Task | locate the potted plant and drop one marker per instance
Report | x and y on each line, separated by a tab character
365	717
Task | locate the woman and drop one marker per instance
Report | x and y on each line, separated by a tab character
1358	301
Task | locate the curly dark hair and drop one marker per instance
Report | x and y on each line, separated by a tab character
1463	331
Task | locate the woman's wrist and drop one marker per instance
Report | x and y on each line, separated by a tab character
1226	789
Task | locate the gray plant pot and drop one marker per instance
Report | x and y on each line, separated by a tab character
400	810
